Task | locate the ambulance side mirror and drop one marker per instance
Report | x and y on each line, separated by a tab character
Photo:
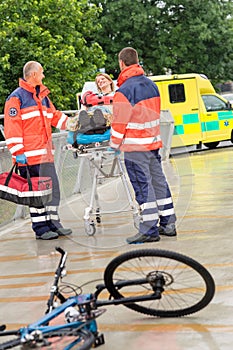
229	105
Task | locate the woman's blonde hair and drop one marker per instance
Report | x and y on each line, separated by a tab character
107	77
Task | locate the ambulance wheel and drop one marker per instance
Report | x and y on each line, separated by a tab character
211	145
90	228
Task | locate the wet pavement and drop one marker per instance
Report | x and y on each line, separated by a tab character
201	186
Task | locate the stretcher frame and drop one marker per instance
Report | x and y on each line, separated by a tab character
96	154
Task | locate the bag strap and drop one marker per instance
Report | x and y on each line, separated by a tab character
29	179
15	167
10	174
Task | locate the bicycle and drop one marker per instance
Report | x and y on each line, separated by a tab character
154	282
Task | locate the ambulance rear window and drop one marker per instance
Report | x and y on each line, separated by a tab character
176	93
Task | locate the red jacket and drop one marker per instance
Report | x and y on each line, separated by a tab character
136	112
28	117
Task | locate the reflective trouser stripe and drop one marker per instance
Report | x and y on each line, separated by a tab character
166	208
149	218
38	215
52	212
43	214
45	218
167	212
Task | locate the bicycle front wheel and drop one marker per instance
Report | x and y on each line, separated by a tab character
187	286
60	340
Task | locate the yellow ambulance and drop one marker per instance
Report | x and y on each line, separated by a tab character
201	116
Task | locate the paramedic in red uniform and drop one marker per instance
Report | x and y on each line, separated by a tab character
135	131
28	117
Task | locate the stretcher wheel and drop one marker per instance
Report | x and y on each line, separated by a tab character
90	227
98	217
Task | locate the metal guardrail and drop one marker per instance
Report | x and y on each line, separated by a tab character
67	169
75	176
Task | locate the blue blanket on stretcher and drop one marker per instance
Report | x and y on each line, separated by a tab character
84	139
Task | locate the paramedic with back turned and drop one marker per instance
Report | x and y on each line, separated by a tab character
28	117
135	130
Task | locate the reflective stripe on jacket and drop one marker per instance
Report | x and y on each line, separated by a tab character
136	112
28	117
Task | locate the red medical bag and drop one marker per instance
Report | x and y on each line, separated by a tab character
33	191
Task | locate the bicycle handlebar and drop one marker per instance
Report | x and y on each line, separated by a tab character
60	250
58	274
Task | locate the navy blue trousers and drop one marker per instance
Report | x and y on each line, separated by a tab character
45	218
151	190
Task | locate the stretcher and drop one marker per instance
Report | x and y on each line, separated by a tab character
105	164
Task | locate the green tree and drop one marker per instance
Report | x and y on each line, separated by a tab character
57	33
177	35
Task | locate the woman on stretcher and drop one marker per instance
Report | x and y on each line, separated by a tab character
92	122
96	112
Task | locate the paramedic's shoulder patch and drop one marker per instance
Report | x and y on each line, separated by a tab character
13	112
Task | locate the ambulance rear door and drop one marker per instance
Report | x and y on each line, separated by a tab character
180	97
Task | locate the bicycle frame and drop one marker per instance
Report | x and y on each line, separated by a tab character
80	311
41	327
86	303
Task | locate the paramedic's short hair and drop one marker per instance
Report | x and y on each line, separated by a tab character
107	77
129	56
29	67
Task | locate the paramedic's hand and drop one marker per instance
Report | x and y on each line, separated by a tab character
21	158
117	151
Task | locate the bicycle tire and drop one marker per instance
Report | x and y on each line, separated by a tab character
59	340
188	288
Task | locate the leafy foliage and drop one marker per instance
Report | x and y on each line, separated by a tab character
73	39
180	36
57	33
